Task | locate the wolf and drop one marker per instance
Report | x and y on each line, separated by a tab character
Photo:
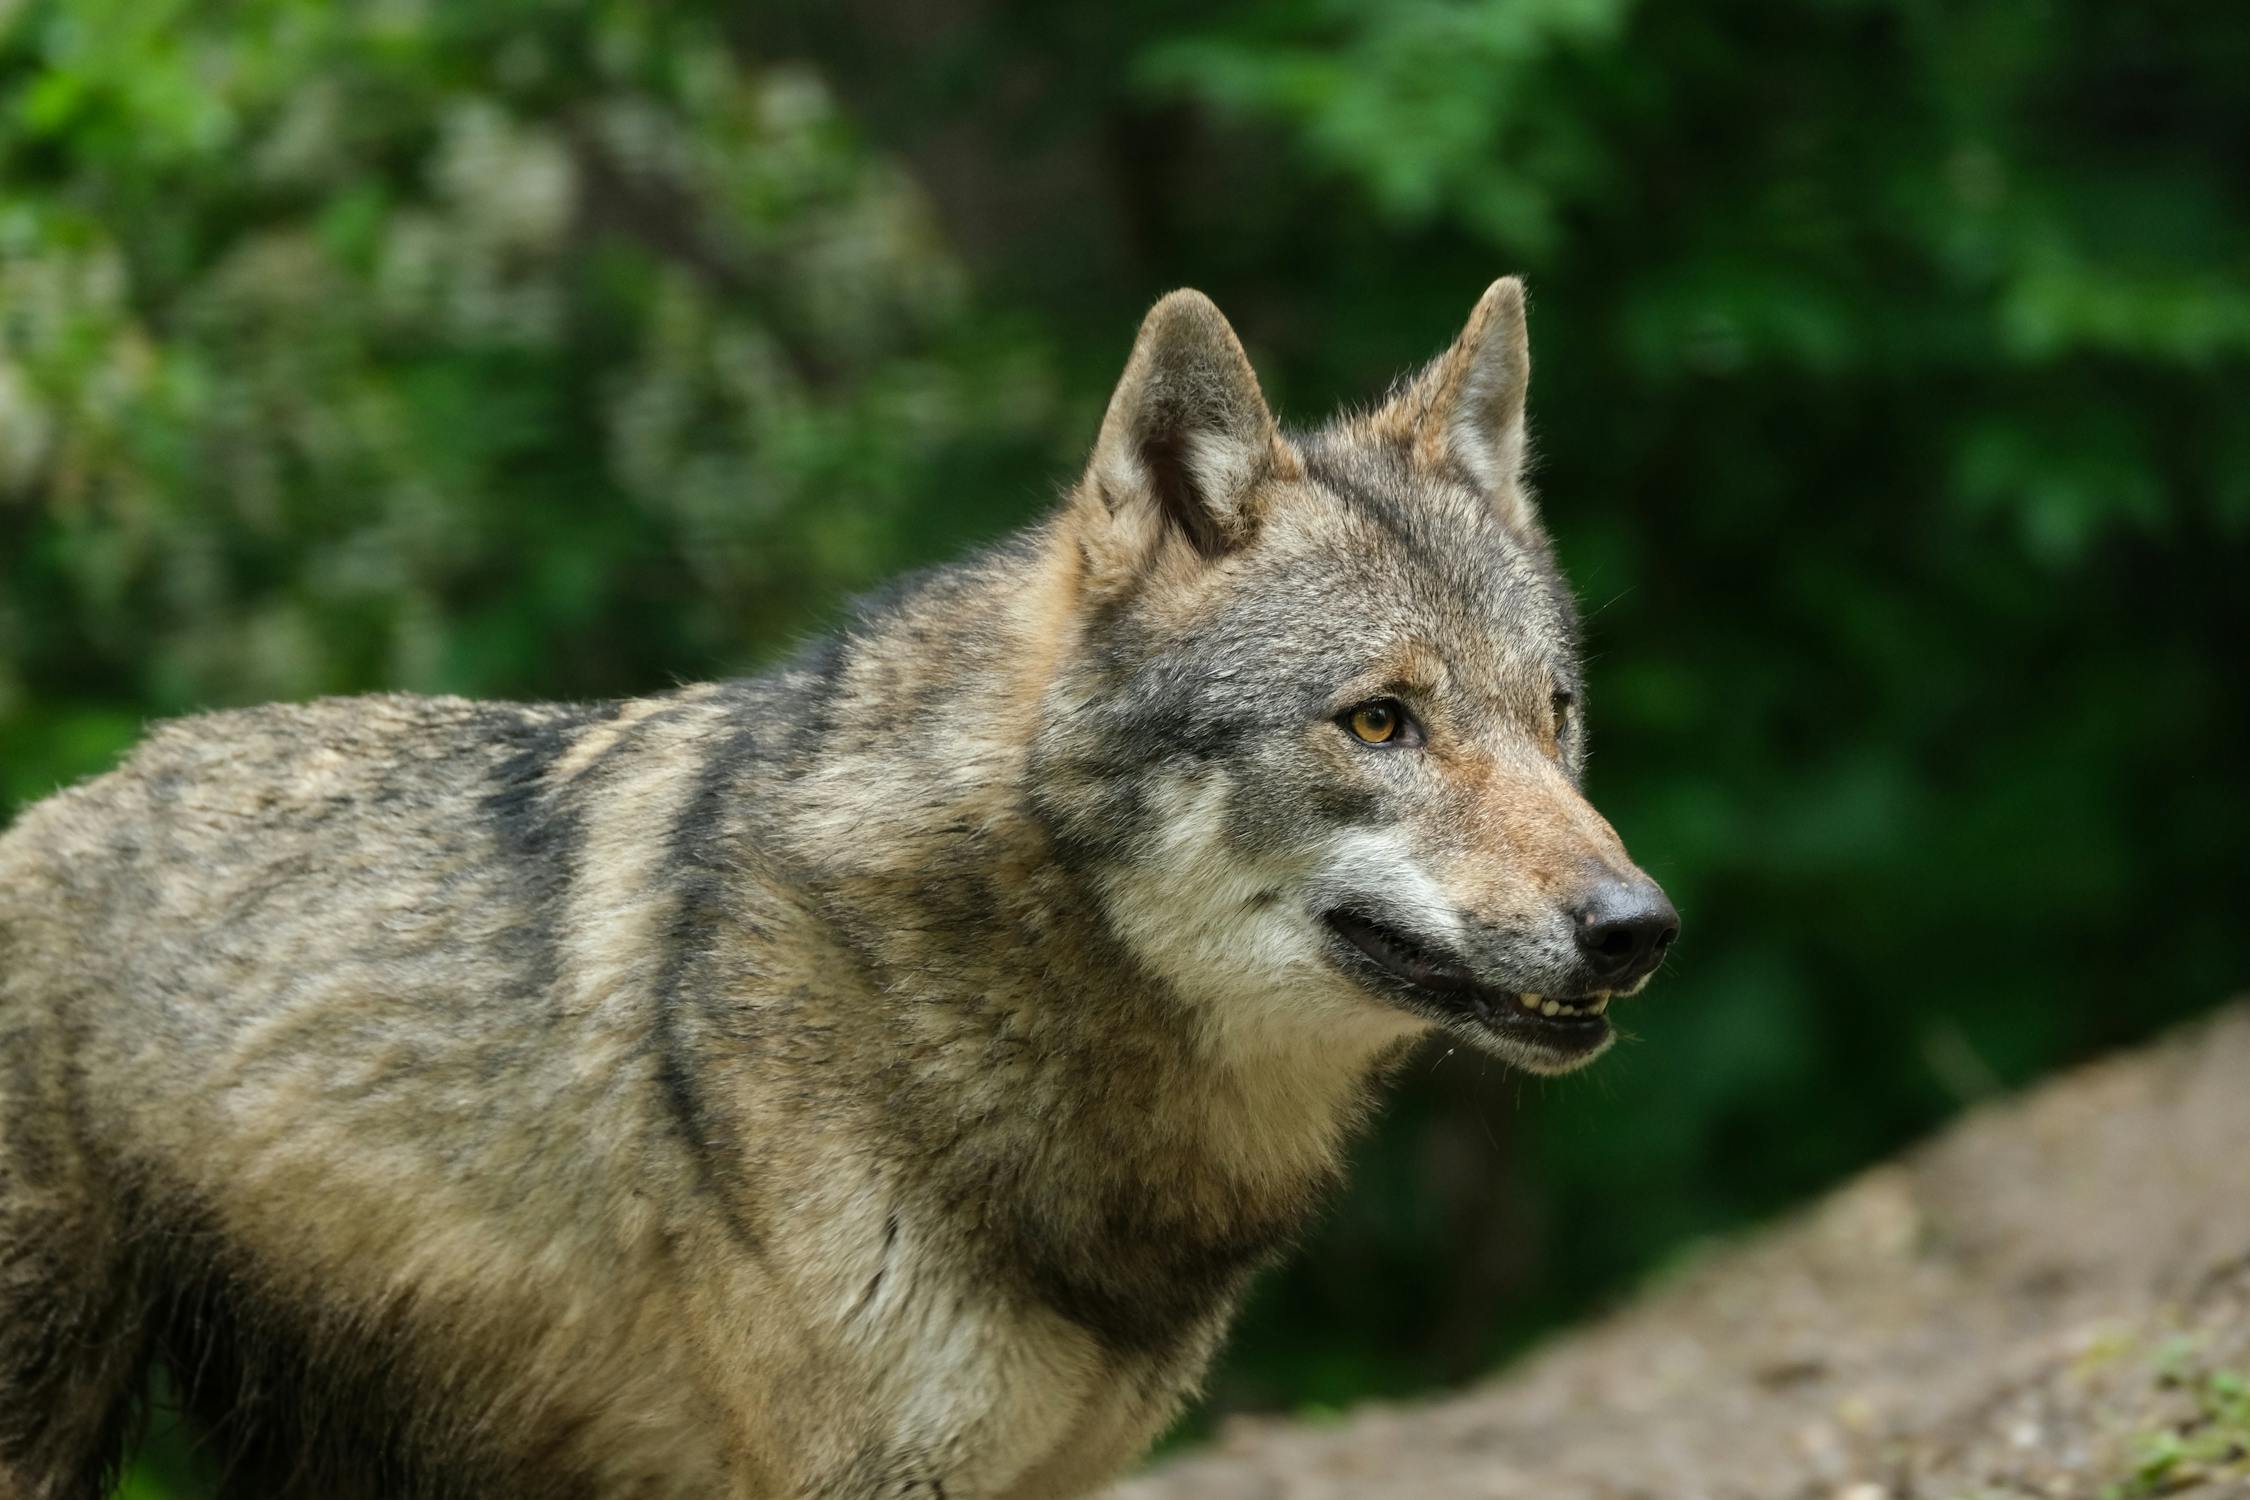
877	1078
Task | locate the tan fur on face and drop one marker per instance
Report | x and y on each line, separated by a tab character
1528	835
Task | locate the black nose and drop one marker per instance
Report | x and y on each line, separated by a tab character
1624	926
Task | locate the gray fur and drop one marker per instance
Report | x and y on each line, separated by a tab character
881	1077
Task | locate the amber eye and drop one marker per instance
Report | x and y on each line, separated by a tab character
1374	722
1566	706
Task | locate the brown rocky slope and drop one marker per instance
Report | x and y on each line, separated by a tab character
2052	1299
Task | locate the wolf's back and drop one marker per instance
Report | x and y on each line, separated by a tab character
286	1010
378	862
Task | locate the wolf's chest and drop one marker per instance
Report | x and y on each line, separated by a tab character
954	1373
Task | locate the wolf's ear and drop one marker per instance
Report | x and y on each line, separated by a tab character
1466	410
1188	437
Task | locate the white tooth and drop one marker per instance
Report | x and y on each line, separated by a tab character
1600	1004
1550	1009
1530	1002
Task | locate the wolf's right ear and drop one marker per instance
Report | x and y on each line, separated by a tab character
1188	439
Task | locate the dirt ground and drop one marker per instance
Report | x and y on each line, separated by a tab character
2052	1299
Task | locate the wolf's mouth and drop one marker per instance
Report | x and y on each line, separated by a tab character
1562	1029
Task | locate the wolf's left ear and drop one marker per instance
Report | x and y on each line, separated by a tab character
1188	438
1466	410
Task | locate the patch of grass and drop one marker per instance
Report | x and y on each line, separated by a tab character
2213	1442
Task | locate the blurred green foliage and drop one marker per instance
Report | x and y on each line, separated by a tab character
1893	367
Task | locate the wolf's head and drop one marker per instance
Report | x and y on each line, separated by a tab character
1319	738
